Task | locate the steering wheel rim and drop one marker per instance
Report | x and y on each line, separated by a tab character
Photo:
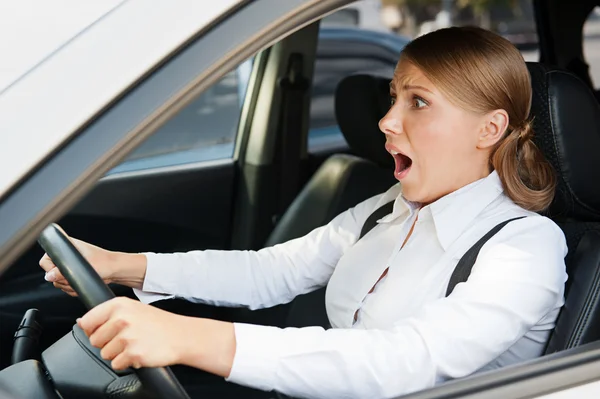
92	291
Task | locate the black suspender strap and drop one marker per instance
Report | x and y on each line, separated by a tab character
463	268
462	271
371	221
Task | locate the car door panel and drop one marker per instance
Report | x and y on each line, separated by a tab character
195	202
171	210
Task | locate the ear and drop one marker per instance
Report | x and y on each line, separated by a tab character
494	126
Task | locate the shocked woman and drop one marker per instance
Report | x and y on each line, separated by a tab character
459	133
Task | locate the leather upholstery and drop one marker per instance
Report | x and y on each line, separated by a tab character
360	102
567	129
579	320
342	181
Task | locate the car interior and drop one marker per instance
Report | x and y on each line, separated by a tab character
274	188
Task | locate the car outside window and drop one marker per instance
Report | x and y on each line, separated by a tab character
205	130
591	45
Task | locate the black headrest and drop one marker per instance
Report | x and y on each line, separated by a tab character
360	102
566	124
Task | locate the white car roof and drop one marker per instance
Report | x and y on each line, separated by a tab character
54	85
34	29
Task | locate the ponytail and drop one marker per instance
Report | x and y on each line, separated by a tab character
527	177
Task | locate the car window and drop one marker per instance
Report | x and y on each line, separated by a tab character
205	130
372	40
591	45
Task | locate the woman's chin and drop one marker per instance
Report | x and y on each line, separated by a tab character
409	193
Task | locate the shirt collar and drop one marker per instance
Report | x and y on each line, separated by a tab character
454	212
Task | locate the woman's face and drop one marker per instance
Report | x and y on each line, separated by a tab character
435	144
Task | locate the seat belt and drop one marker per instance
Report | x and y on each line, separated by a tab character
294	88
463	268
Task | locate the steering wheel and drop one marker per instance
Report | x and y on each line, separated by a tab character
92	292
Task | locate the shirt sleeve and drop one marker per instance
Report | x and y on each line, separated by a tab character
255	279
517	280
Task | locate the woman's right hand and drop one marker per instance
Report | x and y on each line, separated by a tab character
101	260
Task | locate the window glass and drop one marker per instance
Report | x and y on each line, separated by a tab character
371	41
591	45
205	130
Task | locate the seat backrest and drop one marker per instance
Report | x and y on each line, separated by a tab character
342	181
567	130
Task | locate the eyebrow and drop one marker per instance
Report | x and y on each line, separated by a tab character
409	87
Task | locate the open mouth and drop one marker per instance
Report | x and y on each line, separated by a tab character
403	164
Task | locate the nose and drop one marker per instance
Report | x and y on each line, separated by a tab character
390	124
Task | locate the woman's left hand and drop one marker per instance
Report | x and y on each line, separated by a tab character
132	334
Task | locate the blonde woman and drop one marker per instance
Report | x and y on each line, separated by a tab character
459	132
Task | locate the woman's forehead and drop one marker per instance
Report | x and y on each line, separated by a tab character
406	74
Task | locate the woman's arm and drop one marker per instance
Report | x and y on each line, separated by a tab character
256	279
113	267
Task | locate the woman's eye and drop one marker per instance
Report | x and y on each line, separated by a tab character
392	101
418	102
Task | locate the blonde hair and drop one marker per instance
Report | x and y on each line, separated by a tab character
480	71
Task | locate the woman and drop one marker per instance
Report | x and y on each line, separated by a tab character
458	131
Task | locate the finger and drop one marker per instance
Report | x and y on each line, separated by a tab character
113	348
54	275
46	263
107	332
66	288
97	316
123	360
62	284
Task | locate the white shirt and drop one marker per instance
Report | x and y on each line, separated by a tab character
408	336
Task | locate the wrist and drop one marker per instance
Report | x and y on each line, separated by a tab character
127	269
207	344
